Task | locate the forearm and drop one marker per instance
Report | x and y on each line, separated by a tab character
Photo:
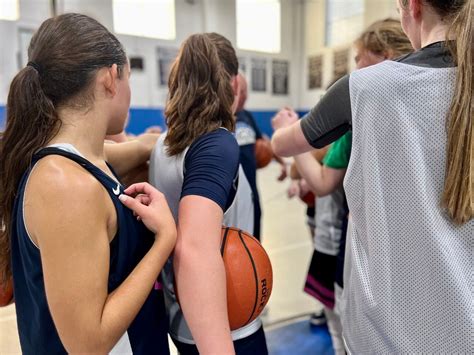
294	173
290	141
312	171
200	277
124	157
123	304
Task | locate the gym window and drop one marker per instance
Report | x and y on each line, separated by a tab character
344	20
9	10
145	18
259	25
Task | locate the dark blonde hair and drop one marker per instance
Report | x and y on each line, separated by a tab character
458	194
200	91
385	38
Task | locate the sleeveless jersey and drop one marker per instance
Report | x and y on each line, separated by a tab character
408	276
167	175
148	332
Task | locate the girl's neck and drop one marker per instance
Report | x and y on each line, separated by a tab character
85	131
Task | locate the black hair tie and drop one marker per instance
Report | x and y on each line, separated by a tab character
34	65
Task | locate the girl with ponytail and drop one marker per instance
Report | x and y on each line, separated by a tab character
409	185
196	165
83	267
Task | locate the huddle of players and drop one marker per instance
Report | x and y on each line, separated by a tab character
85	267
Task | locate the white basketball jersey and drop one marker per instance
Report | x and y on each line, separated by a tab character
167	175
409	270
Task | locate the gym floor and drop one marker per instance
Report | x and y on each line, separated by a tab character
286	239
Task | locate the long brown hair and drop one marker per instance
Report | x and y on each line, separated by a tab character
385	38
458	194
200	92
65	54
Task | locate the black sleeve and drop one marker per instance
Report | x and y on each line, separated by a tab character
331	117
211	166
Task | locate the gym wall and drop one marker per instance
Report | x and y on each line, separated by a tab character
302	35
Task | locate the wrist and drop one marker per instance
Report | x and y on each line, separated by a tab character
166	236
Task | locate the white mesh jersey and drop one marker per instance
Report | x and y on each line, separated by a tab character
167	175
409	271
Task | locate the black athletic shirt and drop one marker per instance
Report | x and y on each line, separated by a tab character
332	116
148	332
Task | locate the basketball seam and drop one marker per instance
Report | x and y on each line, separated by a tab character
259	244
224	240
255	274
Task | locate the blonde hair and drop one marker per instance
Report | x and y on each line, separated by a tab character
386	38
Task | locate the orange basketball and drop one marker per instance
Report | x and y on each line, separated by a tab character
263	152
6	293
249	276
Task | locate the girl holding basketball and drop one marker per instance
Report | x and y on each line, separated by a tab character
196	165
408	185
83	267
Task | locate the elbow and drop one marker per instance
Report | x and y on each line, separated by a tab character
278	145
90	340
321	193
321	190
88	345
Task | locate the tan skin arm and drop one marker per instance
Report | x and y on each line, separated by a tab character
197	257
126	157
320	179
73	221
318	154
288	139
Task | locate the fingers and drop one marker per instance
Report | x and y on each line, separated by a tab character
143	199
136	206
142	188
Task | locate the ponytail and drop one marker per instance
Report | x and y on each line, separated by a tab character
457	198
65	54
31	122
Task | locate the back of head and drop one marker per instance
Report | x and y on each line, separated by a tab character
64	56
385	38
201	96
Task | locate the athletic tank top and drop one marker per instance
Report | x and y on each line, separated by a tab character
408	285
148	332
167	174
328	219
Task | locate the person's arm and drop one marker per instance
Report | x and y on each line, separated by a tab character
321	180
326	122
211	165
288	139
197	257
126	157
71	222
318	154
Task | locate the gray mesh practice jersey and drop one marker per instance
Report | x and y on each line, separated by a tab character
327	232
409	270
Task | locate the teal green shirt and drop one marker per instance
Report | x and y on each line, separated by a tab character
339	152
